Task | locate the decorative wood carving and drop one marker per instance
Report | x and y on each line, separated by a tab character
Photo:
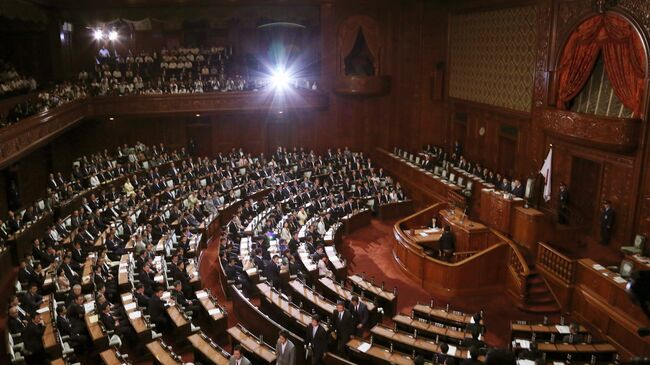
23	137
211	102
362	85
612	134
20	138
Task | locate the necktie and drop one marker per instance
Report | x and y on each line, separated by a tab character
340	316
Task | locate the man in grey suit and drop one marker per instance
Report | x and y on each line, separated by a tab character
238	357
285	350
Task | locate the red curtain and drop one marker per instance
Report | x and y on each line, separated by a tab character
623	55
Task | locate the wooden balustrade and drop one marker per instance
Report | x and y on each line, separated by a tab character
556	263
30	133
448	278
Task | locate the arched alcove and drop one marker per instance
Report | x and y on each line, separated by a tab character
359	51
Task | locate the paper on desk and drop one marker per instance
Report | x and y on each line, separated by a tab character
214	311
598	267
93	319
619	280
364	347
127	297
423	234
563	329
524	344
201	295
165	295
558	363
129	306
135	315
452	350
88	307
158	278
43	310
525	362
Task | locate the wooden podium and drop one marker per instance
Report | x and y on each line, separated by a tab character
528	228
497	211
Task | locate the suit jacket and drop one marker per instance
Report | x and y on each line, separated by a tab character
318	341
157	310
15	325
288	357
243	361
344	326
607	219
360	315
447	241
33	338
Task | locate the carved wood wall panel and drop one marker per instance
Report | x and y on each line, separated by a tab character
619	135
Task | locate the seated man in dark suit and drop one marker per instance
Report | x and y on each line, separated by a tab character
31	299
77	341
15	324
33	339
181	299
158	311
447	244
473	357
141	298
121	328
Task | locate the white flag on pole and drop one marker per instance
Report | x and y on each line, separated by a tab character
546	172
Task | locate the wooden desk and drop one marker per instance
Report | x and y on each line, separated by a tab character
137	322
109	357
182	325
601	302
209	352
429	330
418	183
408	343
273	301
252	345
378	354
581	351
162	356
395	210
497	211
97	335
340	292
440	315
313	300
541	331
218	318
387	299
354	221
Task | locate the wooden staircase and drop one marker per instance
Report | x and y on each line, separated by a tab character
534	295
538	297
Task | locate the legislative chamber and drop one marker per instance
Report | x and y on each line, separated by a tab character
325	182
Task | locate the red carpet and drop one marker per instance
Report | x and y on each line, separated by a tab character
369	251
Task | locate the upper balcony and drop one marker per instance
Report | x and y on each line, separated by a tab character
28	134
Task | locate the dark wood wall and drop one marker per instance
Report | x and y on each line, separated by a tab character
416	111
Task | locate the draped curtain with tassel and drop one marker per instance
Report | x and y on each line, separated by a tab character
623	55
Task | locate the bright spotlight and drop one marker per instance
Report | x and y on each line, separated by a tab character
112	36
98	34
280	79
